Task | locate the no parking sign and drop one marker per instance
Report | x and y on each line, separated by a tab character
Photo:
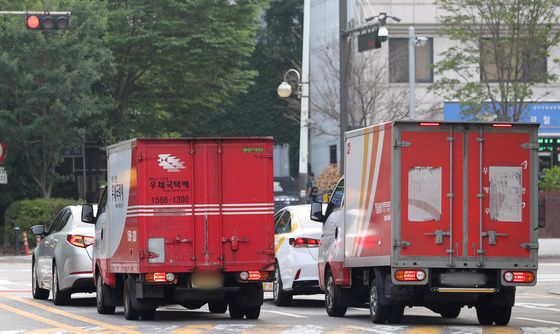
2	152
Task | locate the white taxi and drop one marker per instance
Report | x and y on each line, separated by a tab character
296	241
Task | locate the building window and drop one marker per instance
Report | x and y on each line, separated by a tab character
398	60
332	151
522	67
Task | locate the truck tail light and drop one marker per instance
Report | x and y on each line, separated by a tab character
501	125
519	276
304	242
429	124
160	277
410	275
81	241
254	275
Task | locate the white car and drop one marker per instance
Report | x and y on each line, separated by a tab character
296	241
61	262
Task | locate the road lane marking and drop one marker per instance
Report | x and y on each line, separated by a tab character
41	319
501	330
379	329
424	330
539	320
286	314
71	315
534	306
193	329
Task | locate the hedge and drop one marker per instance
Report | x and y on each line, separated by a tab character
27	213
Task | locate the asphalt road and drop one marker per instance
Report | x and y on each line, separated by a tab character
537	310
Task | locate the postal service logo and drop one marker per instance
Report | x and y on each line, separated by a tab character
170	163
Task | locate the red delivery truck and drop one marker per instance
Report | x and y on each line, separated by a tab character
186	221
435	214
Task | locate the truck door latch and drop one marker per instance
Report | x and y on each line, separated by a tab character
492	236
439	235
402	244
530	245
178	240
235	241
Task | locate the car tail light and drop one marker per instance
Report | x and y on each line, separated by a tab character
160	277
81	241
410	275
254	275
429	124
304	242
502	125
519	276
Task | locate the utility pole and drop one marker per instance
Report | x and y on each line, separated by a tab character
411	70
304	121
343	64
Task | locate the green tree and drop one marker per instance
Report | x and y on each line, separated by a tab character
46	81
493	66
260	112
175	59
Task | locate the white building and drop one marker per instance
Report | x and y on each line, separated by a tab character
392	56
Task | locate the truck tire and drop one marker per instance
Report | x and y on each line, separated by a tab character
130	312
485	315
450	312
148	314
236	312
503	315
253	312
377	311
217	307
59	297
36	291
101	297
279	296
332	296
396	314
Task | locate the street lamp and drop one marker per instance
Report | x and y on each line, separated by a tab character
413	42
302	90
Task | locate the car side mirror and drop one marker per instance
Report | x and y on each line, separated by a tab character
87	214
317	212
38	230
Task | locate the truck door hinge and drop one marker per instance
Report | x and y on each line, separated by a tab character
439	235
530	245
530	146
402	244
492	236
402	143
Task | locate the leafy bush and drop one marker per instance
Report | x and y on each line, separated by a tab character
328	179
550	179
27	213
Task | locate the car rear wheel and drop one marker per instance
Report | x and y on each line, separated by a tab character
217	307
130	312
331	298
37	292
101	290
279	296
59	297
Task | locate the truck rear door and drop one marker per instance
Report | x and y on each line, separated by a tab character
465	190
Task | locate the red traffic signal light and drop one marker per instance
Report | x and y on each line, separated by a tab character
46	21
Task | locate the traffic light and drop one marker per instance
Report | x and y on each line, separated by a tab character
368	41
47	21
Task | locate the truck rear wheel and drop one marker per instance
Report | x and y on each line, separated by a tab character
395	315
503	315
130	312
451	312
252	312
101	291
217	307
236	312
332	298
377	311
485	315
148	315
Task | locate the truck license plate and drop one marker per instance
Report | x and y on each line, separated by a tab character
209	280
